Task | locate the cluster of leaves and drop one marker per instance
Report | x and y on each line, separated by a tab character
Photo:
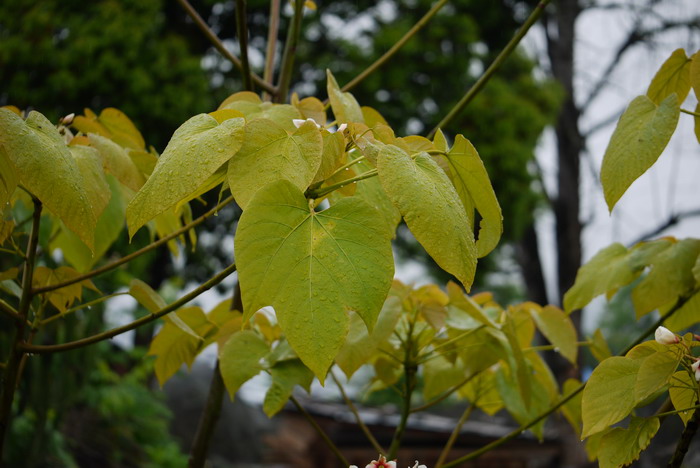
663	275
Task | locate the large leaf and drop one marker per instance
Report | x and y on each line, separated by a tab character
609	394
431	208
672	77
557	327
270	153
344	105
46	168
197	149
285	376
370	190
640	137
240	359
313	267
608	270
620	447
469	176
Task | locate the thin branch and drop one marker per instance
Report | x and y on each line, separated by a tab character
214	39
343	461
8	310
79	307
268	73
318	193
242	27
218	278
694	114
351	406
670	222
395	48
290	50
131	256
444	395
455	433
491	70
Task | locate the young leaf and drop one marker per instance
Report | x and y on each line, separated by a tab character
34	145
608	270
344	105
240	359
640	137
684	394
197	149
557	327
312	267
431	208
270	153
620	447
333	155
146	296
441	374
609	394
469	176
116	161
285	376
672	77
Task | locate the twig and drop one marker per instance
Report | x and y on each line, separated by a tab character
290	50
242	27
343	461
271	44
486	76
214	39
131	256
218	278
318	193
453	437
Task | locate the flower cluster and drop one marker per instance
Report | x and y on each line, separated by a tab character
383	463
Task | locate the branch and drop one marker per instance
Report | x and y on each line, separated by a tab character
318	193
43	349
684	442
290	50
131	256
214	39
395	48
453	437
242	27
486	76
670	222
271	43
209	418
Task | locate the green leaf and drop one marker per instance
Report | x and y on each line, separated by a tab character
465	303
609	394
34	145
109	226
8	177
640	137
599	347
197	149
469	176
440	375
95	182
344	105
572	408
333	155
174	347
518	365
117	162
270	153
654	373
313	267
431	208
683	393
240	359
608	270
557	327
671	275
360	345
620	447
672	77
285	376
687	316
146	296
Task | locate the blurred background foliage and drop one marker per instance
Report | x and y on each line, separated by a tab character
149	60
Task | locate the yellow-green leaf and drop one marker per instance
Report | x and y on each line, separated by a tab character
8	178
285	376
641	135
440	375
64	297
122	129
310	108
620	447
469	176
270	153
361	345
116	161
687	316
34	145
599	347
654	373
344	105
684	394
146	296
672	77
370	190
572	408
240	359
333	155
557	327
313	267
197	149
431	208
609	394
608	270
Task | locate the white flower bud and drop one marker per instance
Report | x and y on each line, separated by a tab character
665	336
696	368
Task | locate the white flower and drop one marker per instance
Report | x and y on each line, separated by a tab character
696	367
665	336
299	122
419	466
382	463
